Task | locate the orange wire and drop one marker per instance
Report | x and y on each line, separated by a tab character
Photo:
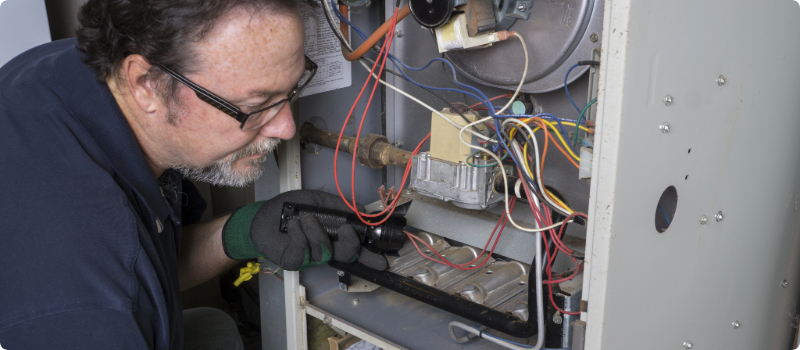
373	39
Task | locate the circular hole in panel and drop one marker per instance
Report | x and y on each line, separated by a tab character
686	178
665	209
489	272
690	151
521	283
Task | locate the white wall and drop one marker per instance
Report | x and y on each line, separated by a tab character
23	25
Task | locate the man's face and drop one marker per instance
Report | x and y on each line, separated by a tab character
250	60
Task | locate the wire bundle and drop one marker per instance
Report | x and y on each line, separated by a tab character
511	143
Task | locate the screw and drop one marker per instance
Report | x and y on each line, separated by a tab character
719	216
522	7
340	273
557	318
398	33
343	286
687	344
380	205
721	80
354	302
594	37
785	283
703	220
408	191
664	128
398	144
736	324
668	100
327	320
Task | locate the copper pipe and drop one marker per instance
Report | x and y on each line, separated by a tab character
374	151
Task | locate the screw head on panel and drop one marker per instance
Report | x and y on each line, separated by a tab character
398	33
718	217
703	220
340	273
557	318
327	320
668	100
522	7
343	286
664	128
380	205
398	144
687	344
721	80
785	283
594	37
736	324
354	302
408	191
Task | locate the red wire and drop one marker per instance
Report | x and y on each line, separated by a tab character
444	261
381	58
387	46
491	99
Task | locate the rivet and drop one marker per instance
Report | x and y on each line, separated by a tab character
668	100
703	220
721	80
719	216
687	344
354	302
398	33
664	128
594	37
340	273
557	318
343	286
785	283
736	324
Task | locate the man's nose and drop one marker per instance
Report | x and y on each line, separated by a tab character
282	125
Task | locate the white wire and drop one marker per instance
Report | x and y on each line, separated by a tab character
524	74
505	180
412	98
537	167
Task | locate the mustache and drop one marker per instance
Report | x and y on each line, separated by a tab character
222	173
263	147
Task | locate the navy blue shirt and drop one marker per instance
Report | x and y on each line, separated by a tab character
88	242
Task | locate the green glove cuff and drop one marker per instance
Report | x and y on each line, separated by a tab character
236	233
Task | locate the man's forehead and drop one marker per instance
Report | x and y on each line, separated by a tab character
252	48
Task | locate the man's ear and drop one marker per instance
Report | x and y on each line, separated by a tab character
142	90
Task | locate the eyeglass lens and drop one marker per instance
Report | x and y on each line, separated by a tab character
259	119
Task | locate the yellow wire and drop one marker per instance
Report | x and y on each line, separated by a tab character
555	131
550	194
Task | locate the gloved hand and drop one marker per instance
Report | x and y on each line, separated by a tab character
253	231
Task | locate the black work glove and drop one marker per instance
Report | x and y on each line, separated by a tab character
253	231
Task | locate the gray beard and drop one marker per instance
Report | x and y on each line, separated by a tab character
222	173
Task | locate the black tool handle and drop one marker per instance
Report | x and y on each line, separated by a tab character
385	238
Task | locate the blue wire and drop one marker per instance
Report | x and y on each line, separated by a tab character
343	19
665	215
482	97
567	90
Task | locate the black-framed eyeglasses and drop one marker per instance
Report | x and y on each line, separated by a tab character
253	119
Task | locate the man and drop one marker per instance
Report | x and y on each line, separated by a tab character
96	137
